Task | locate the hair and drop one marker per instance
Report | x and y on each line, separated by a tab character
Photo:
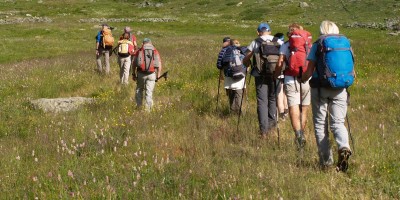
328	27
126	36
235	42
295	26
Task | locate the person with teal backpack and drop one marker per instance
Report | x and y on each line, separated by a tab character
331	68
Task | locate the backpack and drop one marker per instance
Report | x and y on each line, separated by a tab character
232	62
108	39
145	59
268	56
125	48
300	44
335	61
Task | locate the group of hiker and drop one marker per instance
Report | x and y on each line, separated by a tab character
289	76
144	63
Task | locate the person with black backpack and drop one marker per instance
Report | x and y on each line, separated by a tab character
265	52
331	66
147	69
104	44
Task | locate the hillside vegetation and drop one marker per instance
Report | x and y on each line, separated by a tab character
184	149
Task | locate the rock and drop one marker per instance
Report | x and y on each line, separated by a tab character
303	5
28	15
394	33
60	104
239	4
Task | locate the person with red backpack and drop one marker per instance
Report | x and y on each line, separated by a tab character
331	68
264	51
294	53
147	69
104	44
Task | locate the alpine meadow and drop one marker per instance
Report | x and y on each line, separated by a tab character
185	148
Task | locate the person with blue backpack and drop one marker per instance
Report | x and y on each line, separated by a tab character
331	68
235	73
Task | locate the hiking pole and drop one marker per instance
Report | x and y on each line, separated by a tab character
164	75
241	103
301	108
219	83
277	112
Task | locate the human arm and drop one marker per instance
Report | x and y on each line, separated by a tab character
310	69
279	66
247	58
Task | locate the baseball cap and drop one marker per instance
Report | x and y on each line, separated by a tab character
263	27
226	39
145	40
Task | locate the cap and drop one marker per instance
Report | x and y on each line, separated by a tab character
146	40
226	39
127	29
263	27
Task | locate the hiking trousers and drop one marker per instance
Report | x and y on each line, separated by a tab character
266	103
329	107
235	99
106	54
125	66
145	83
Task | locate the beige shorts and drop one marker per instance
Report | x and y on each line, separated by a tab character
292	91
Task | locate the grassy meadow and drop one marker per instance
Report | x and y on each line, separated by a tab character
184	149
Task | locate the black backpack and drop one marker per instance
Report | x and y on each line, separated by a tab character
267	57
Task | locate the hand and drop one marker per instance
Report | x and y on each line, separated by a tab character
97	52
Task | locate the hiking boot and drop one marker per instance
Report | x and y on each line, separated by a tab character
343	161
300	139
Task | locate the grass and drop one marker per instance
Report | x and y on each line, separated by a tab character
184	149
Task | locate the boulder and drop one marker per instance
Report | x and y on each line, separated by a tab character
60	104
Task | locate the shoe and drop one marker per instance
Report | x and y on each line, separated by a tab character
343	161
300	139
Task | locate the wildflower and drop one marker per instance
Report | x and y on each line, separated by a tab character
70	174
36	159
18	158
35	178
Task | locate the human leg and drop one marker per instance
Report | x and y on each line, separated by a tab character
319	104
125	70
271	102
149	87
98	61
107	60
140	81
262	104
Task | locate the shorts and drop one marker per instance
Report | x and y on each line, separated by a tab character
292	91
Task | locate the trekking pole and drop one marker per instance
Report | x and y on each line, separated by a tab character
301	107
277	112
241	103
219	83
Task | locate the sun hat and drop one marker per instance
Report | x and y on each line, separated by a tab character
127	29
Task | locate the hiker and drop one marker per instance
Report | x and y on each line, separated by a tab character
148	68
225	43
132	37
262	70
125	51
235	73
104	44
298	93
281	98
329	101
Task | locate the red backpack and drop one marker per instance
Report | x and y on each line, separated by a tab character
300	44
145	59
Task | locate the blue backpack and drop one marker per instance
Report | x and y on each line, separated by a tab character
233	63
335	64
